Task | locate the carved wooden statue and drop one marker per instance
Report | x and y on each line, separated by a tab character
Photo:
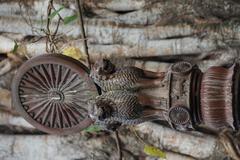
56	94
122	101
195	100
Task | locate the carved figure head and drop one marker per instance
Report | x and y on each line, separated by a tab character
99	109
102	67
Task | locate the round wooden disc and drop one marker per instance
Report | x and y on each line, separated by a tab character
181	67
51	92
179	115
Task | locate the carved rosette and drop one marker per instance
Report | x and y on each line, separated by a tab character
52	91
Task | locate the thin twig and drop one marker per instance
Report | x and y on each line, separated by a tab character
56	30
48	32
118	145
83	32
51	37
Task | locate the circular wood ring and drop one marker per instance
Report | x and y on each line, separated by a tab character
179	115
51	92
181	67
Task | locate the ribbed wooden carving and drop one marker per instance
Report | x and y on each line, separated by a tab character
216	97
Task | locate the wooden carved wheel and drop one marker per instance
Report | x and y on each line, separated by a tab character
51	92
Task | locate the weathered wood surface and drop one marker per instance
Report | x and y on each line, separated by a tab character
114	35
119	28
81	146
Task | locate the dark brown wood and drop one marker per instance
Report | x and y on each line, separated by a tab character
51	92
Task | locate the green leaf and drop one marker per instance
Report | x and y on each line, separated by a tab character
53	14
93	128
15	47
153	151
69	19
